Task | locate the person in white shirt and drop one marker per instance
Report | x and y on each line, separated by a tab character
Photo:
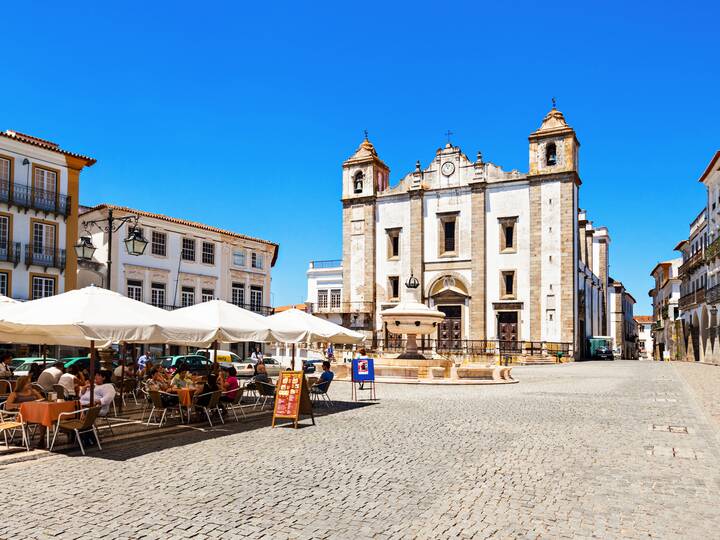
5	371
69	381
50	376
104	393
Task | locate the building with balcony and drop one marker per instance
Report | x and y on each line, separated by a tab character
507	256
667	327
184	263
39	188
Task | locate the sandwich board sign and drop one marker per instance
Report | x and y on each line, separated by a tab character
292	397
363	371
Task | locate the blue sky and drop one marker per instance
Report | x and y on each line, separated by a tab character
240	115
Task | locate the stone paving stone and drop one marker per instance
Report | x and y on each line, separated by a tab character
566	453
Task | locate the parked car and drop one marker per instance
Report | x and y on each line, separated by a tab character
226	357
16	362
604	353
24	369
311	365
197	365
246	368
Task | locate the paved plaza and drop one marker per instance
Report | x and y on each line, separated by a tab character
584	450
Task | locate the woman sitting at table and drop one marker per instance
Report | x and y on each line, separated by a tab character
209	387
182	378
23	392
230	384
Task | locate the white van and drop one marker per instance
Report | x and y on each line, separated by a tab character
222	356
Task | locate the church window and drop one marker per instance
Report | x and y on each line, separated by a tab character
550	154
507	284
394	287
508	236
358	182
447	234
393	239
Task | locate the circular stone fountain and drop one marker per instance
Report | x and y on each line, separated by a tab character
413	319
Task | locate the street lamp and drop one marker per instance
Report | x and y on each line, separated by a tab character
134	243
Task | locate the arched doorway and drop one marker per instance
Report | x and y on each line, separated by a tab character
450	295
695	336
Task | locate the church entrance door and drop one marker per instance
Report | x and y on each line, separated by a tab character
450	329
508	331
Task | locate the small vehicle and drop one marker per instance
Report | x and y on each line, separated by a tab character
24	369
247	367
226	357
196	364
311	365
15	362
604	353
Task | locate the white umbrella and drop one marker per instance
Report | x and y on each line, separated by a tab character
295	326
231	323
95	314
7	300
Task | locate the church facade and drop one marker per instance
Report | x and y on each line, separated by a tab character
509	257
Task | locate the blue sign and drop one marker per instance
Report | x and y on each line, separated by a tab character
363	369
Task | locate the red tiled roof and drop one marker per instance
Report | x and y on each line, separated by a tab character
643	319
185	222
280	309
710	166
47	145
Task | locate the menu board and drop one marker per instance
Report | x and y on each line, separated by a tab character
292	397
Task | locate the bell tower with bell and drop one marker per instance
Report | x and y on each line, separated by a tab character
554	146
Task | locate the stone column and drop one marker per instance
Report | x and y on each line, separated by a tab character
416	236
568	263
478	288
535	300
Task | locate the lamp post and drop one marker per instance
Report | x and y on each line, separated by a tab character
134	243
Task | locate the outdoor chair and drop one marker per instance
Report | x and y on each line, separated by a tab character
40	389
236	402
12	421
266	392
5	387
319	392
158	405
212	405
129	386
60	390
83	423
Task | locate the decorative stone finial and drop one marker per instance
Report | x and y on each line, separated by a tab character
553	102
479	157
417	166
366	131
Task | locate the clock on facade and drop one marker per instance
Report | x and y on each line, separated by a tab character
448	168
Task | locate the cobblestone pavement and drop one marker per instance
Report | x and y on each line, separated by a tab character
602	449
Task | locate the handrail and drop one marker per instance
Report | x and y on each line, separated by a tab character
31	197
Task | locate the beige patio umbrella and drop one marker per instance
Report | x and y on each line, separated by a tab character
231	323
91	316
295	326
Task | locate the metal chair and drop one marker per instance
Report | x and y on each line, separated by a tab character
12	421
235	403
129	386
319	392
84	424
5	386
158	405
212	405
266	392
60	390
40	389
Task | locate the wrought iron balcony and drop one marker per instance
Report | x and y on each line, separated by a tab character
45	257
33	198
10	252
692	299
342	307
712	295
713	250
695	260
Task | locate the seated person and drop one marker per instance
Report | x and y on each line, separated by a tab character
35	371
104	392
262	377
182	378
5	371
23	392
50	376
210	386
70	382
118	373
326	378
230	384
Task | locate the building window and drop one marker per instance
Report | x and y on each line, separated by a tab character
188	249
45	180
335	298
257	260
358	182
5	283
551	154
187	297
5	168
322	299
134	290
507	284
239	258
157	294
42	287
4	236
208	253
508	235
448	235
159	243
207	295
394	287
393	241
256	297
238	294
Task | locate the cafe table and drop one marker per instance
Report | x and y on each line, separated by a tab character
185	397
45	413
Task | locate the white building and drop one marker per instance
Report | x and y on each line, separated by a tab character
665	298
185	263
645	336
507	256
39	187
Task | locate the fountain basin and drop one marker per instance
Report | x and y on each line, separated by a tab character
412	319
